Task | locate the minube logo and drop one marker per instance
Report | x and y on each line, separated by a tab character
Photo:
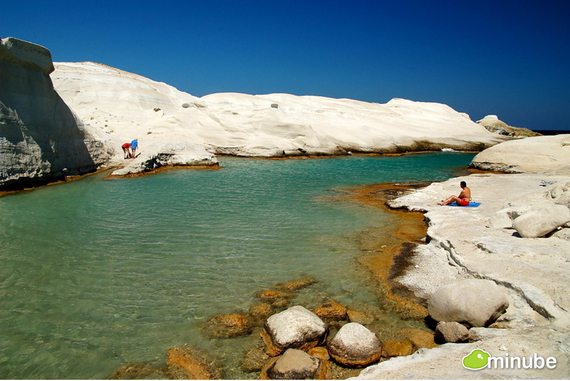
479	359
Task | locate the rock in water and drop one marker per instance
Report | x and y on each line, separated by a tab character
474	302
227	325
295	327
294	365
394	348
354	345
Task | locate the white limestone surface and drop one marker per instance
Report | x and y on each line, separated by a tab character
41	138
481	243
534	154
129	105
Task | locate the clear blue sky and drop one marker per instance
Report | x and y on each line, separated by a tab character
509	58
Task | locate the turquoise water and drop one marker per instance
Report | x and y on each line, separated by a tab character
98	273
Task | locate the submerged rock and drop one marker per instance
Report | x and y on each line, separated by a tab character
395	348
331	311
192	362
295	285
137	371
227	325
293	365
276	299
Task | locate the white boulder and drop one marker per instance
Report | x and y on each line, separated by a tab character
295	327
474	302
541	220
354	345
534	154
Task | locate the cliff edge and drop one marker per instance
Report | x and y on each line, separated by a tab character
41	139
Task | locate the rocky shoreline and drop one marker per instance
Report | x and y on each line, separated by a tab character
515	241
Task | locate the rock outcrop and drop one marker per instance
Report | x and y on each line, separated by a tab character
482	243
535	154
167	154
41	139
493	124
129	105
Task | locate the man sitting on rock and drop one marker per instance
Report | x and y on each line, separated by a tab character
461	200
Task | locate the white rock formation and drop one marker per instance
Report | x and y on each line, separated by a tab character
162	154
535	154
128	105
41	139
474	302
481	243
294	327
541	220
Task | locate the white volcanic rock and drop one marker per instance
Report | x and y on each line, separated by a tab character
172	154
541	220
481	243
463	244
129	105
535	154
295	327
474	302
41	139
445	361
354	345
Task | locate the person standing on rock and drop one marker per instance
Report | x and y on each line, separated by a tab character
461	200
134	146
127	150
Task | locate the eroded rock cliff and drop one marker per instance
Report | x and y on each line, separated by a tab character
41	139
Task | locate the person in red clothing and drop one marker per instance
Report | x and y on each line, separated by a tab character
127	150
461	200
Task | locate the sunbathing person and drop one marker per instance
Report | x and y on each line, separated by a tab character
461	200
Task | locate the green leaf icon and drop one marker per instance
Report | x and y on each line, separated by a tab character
476	360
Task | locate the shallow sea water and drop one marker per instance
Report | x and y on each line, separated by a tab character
97	273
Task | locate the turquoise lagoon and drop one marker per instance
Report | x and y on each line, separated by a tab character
97	273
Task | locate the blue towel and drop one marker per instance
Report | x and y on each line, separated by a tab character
471	205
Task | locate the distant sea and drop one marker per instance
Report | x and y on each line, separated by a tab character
552	132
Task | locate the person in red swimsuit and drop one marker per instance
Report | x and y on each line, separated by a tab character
127	150
463	198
